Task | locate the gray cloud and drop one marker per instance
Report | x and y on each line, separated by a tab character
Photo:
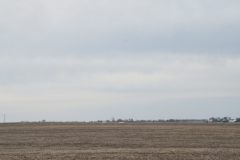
138	58
107	26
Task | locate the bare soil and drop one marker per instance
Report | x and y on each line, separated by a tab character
73	141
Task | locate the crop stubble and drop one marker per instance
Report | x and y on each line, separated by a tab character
72	141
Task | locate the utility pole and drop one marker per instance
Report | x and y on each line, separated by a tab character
4	118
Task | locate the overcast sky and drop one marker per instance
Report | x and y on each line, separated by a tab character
75	60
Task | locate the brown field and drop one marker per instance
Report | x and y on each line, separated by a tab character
72	141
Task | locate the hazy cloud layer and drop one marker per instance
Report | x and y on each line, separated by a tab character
83	60
60	26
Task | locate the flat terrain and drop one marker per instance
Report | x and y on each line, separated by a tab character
72	141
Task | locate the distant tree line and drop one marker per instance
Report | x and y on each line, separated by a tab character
210	120
221	119
237	120
131	120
